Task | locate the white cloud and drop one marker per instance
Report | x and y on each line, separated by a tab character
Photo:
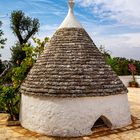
121	38
46	31
124	11
49	27
122	45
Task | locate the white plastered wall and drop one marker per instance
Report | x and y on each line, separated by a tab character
72	116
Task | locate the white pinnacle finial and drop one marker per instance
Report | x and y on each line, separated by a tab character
71	4
70	21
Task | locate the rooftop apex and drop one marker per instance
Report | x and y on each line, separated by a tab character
70	21
71	4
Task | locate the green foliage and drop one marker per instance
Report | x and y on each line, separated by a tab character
105	52
9	101
122	66
10	96
1	67
118	64
19	73
113	62
40	45
32	53
23	27
17	55
6	79
137	64
0	96
2	40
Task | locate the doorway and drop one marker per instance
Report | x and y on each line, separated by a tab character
102	121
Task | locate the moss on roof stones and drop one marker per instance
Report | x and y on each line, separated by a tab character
72	66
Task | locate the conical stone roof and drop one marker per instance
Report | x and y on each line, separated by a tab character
72	66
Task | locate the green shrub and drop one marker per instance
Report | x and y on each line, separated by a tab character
6	79
0	96
10	101
10	96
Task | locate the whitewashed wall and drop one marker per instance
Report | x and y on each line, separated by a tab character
127	79
72	117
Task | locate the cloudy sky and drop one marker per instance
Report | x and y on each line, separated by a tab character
115	24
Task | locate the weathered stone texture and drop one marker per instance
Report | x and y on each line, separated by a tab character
72	66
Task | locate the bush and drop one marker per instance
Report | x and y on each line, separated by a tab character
0	96
10	101
10	95
6	79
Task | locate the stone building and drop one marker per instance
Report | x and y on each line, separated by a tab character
71	89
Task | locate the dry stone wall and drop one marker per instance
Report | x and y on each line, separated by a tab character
72	66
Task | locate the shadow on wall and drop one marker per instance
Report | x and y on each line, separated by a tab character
127	79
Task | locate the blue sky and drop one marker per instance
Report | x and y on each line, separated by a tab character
115	24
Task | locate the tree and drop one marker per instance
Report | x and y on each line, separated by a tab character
1	67
10	95
2	40
23	26
32	53
113	62
132	69
106	53
18	55
2	43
